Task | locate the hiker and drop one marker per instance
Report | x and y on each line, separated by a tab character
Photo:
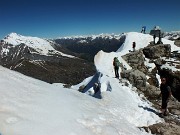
154	37
116	65
134	46
143	29
165	94
160	40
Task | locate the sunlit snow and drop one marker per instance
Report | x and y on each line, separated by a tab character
142	40
33	107
41	45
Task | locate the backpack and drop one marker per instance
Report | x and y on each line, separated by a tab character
116	62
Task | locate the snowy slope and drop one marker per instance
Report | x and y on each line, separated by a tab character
142	40
29	106
104	62
41	45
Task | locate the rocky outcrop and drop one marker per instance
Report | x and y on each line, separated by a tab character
136	60
177	42
136	77
173	80
157	51
159	55
168	128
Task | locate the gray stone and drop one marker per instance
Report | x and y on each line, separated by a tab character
157	51
136	77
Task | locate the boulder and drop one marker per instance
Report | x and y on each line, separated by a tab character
136	60
157	51
136	77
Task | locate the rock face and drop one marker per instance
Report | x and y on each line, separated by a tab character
161	129
159	55
136	77
173	80
136	60
177	42
157	51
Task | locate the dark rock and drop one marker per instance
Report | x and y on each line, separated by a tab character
157	51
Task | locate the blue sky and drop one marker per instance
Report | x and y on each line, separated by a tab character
59	18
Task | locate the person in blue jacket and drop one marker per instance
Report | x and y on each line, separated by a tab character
143	29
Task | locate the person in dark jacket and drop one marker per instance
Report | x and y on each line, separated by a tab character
154	37
165	94
116	65
134	46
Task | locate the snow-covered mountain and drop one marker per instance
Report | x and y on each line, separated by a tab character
90	45
34	56
30	106
93	37
39	44
42	46
142	40
172	35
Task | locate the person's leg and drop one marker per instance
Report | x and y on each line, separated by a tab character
116	72
164	106
166	110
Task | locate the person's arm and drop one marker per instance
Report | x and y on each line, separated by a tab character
169	90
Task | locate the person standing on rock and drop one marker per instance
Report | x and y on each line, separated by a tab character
154	37
165	94
143	29
116	65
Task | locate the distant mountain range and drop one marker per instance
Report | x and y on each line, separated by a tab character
174	35
65	60
37	58
88	46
